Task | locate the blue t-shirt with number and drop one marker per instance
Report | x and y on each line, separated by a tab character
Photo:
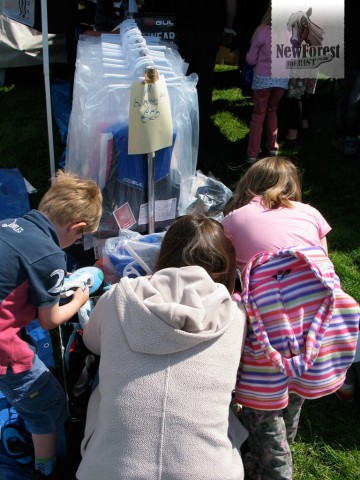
32	271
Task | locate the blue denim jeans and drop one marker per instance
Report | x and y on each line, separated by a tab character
37	397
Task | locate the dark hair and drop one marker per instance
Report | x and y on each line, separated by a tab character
199	240
275	179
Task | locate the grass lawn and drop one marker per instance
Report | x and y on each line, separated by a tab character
328	444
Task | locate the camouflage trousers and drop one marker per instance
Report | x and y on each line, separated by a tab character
270	435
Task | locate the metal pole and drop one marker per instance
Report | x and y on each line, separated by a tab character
151	76
151	192
45	41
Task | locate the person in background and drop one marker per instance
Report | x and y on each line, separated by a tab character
247	19
33	268
347	120
106	19
299	99
267	91
199	31
169	347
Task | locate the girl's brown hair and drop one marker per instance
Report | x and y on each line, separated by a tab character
199	240
275	179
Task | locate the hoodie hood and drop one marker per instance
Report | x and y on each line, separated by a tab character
173	310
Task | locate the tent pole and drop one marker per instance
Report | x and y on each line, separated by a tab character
45	41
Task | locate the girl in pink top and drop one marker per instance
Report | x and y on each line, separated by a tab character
267	91
266	214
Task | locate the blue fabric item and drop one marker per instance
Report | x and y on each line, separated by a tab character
43	343
16	440
14	198
246	75
61	104
132	169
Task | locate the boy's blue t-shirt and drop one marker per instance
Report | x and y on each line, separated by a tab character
32	271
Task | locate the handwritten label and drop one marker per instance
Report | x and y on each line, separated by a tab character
150	121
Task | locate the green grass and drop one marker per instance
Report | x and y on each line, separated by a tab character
328	443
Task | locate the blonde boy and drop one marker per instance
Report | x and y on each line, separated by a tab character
33	268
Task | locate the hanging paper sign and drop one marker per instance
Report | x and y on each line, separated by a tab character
150	121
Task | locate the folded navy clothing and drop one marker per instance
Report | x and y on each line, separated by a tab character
132	169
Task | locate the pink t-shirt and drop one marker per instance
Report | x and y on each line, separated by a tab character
259	53
254	229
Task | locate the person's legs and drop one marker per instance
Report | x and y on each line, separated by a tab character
352	117
292	416
260	100
306	101
347	107
199	50
45	452
294	116
40	401
271	118
269	455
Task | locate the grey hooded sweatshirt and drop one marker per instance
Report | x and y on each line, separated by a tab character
169	348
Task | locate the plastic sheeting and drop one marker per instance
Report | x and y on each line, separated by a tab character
21	46
106	67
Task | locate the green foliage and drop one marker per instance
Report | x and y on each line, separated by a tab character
326	446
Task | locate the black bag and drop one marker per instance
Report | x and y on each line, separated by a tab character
82	369
246	75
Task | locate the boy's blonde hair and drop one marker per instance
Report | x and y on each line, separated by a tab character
72	199
275	179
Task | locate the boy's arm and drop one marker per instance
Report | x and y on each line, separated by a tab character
51	317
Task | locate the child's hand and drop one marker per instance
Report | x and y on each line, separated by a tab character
81	296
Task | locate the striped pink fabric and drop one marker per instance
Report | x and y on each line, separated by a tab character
302	328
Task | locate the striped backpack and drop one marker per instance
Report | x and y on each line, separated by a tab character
302	328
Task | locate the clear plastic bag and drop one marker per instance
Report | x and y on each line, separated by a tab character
209	196
131	255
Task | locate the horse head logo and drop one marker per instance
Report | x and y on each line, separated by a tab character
302	29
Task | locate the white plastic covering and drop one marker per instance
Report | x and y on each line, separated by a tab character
106	67
21	46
